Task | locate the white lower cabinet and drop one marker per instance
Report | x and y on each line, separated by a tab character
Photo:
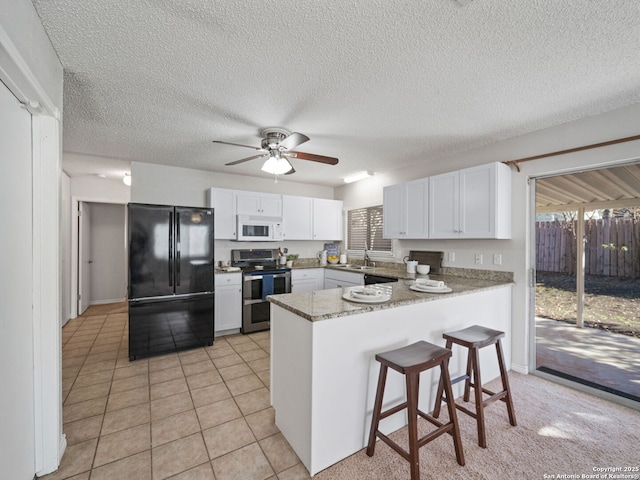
307	280
340	279
228	302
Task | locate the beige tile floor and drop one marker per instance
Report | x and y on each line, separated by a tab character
201	414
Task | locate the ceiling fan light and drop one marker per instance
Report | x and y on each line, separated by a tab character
358	176
277	166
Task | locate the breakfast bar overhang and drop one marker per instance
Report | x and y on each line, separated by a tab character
323	368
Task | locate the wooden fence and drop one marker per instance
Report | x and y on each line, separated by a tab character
612	247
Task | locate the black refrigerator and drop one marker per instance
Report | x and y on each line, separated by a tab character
171	292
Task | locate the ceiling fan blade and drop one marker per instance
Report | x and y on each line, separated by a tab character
293	140
236	144
314	158
293	170
246	159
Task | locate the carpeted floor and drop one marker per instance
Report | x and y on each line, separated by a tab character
560	432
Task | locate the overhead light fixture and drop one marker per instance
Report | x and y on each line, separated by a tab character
358	176
127	179
276	165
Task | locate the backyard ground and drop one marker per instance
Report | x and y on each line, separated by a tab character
611	303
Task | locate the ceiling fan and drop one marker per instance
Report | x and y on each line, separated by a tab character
277	146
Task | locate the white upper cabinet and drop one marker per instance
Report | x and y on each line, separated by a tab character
224	216
297	217
303	218
471	203
258	204
444	205
405	210
327	219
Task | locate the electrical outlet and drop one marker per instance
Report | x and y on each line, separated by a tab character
497	259
478	259
451	256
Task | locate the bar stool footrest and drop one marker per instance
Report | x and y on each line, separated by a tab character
459	379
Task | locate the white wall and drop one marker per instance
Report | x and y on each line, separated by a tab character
164	185
108	270
515	252
98	189
31	70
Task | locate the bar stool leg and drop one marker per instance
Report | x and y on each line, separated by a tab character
467	383
412	381
439	392
477	389
453	416
505	385
377	408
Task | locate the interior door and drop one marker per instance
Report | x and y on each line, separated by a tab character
84	254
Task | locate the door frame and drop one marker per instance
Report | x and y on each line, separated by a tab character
15	73
75	209
531	290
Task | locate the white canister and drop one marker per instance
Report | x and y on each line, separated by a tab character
343	258
411	266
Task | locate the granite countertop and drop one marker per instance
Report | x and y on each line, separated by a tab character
325	304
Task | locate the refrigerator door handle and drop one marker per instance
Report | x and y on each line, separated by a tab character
170	249
178	249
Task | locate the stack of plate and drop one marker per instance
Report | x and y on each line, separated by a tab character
366	295
429	286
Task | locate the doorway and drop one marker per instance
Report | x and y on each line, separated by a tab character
102	254
587	279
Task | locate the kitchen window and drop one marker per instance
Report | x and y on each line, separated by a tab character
364	230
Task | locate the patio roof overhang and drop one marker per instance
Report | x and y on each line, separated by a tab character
615	187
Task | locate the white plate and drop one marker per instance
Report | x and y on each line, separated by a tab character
426	289
365	293
366	298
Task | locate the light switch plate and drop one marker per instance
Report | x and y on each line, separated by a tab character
478	259
497	259
451	256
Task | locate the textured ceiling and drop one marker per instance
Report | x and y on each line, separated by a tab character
380	84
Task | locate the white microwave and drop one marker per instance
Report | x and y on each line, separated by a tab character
258	229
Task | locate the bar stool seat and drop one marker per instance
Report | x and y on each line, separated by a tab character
475	338
411	361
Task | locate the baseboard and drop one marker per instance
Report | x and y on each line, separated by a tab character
110	300
63	447
523	369
222	333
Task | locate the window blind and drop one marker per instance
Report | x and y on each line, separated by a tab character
364	229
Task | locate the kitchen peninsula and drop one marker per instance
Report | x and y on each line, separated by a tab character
323	368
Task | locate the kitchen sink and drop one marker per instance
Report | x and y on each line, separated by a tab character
353	267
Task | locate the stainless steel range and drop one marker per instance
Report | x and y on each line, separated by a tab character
262	276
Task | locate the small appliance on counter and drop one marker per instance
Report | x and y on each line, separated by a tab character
262	276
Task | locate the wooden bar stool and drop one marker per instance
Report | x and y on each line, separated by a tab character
474	338
410	361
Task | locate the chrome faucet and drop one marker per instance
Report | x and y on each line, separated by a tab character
367	259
